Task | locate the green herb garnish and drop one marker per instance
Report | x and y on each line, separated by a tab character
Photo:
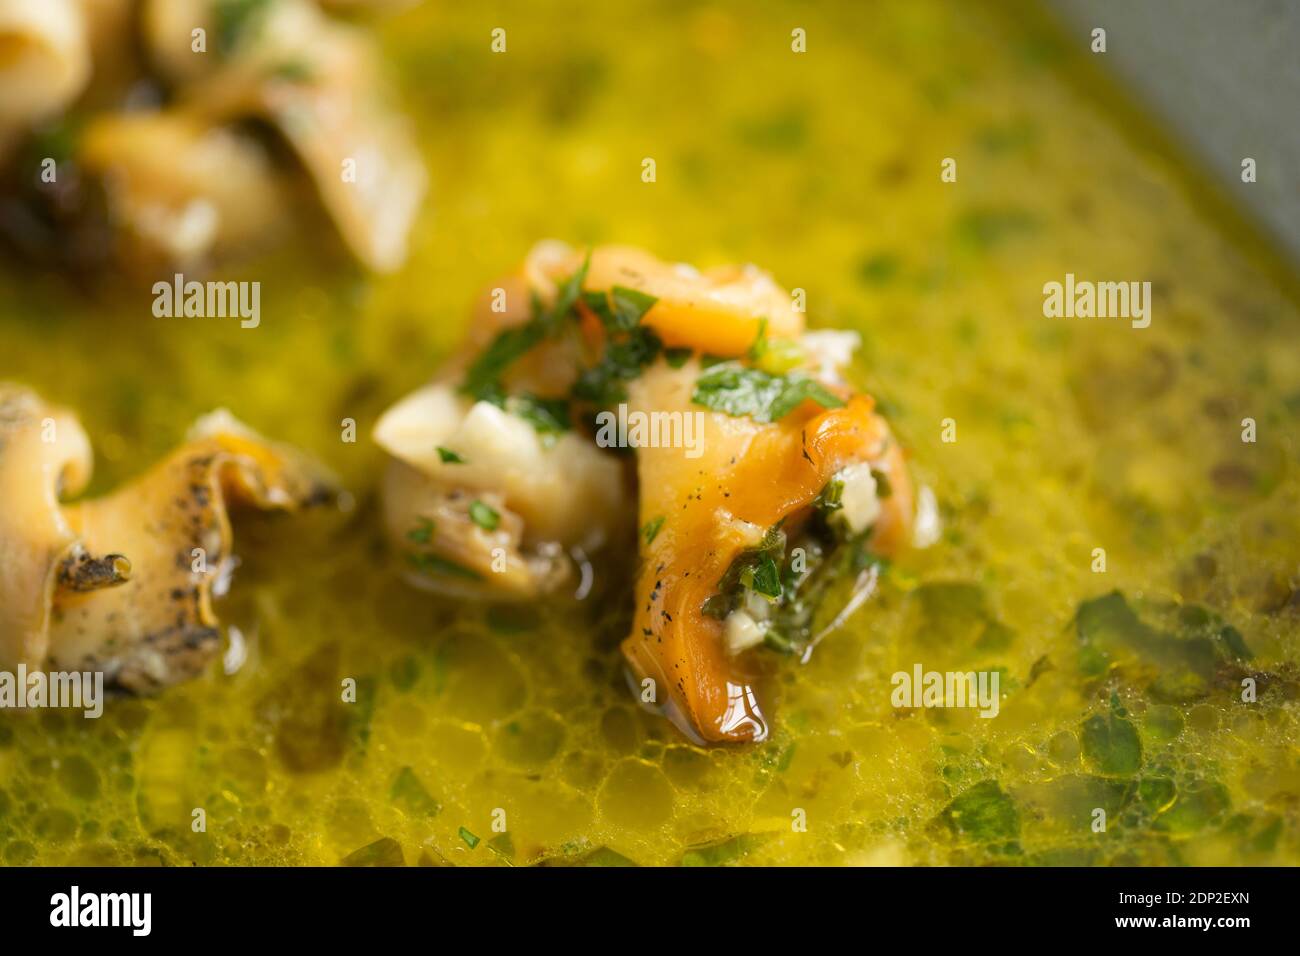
598	302
794	594
433	564
766	578
830	497
774	356
629	348
483	380
651	529
775	640
549	416
738	391
422	533
449	457
408	791
483	515
878	269
984	813
294	71
503	846
1111	745
603	383
780	356
717	606
568	295
630	306
676	358
236	19
725	852
863	557
755	568
799	387
733	389
757	350
621	309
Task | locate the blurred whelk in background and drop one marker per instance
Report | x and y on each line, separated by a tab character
171	133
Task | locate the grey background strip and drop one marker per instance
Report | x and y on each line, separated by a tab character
1224	76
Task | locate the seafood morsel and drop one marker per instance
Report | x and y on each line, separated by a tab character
124	584
44	61
197	129
769	490
491	492
314	80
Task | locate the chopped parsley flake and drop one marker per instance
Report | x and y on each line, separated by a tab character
766	578
549	416
775	356
775	640
483	380
781	356
433	564
676	358
449	457
483	515
631	305
738	391
568	295
235	21
603	383
294	71
759	347
621	309
830	498
799	387
651	529
629	348
422	533
753	569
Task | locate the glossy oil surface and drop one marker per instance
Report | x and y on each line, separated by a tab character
824	168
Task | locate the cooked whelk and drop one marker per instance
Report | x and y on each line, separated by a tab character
751	475
791	455
725	305
44	60
180	189
317	81
123	584
548	497
555	495
44	454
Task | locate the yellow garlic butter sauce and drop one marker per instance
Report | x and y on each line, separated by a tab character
1071	435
